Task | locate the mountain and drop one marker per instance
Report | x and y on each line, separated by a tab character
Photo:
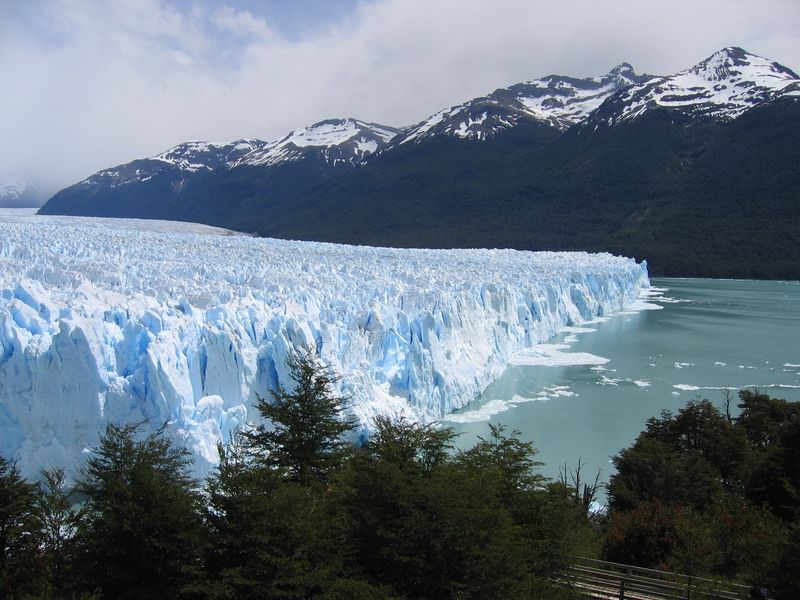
335	141
674	169
722	87
17	191
553	100
171	184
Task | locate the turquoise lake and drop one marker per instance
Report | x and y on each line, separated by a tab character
694	340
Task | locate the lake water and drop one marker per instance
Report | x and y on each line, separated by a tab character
590	397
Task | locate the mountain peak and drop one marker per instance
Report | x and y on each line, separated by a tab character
555	100
339	140
199	155
622	74
17	190
732	62
721	87
334	132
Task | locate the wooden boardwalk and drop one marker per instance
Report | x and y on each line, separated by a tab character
613	581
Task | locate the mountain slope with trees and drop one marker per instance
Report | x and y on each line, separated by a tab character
680	194
682	171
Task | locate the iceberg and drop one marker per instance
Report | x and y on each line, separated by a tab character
120	320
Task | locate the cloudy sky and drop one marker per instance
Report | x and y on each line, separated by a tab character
90	84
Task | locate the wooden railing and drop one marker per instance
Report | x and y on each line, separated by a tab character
613	581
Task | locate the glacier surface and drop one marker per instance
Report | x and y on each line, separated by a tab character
119	320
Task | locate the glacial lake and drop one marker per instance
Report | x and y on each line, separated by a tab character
707	335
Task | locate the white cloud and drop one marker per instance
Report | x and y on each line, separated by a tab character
241	23
100	83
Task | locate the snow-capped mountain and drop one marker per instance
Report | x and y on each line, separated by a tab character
199	181
12	187
17	191
722	87
558	153
187	158
196	156
554	100
336	141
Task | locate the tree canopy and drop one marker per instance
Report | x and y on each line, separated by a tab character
703	492
139	537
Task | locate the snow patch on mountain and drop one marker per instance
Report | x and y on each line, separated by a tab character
336	140
197	155
118	320
557	101
723	86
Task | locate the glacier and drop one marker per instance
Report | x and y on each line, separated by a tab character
120	320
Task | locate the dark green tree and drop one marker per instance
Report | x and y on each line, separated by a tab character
773	428
20	574
784	578
306	424
512	458
431	523
763	418
691	457
704	492
648	470
140	535
274	529
549	523
268	535
661	535
58	519
396	509
409	446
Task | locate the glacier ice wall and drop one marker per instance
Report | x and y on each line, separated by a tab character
105	320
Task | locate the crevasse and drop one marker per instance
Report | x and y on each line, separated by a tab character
106	320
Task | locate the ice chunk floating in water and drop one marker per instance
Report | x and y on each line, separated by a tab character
117	320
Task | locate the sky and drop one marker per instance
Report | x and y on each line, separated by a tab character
89	84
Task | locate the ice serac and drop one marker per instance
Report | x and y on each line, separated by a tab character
105	320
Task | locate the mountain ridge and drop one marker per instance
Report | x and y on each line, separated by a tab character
598	163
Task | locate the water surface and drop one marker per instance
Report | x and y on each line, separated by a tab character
707	336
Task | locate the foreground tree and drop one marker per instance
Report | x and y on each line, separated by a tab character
58	521
272	517
270	536
689	458
306	424
705	493
773	428
434	524
19	535
140	535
